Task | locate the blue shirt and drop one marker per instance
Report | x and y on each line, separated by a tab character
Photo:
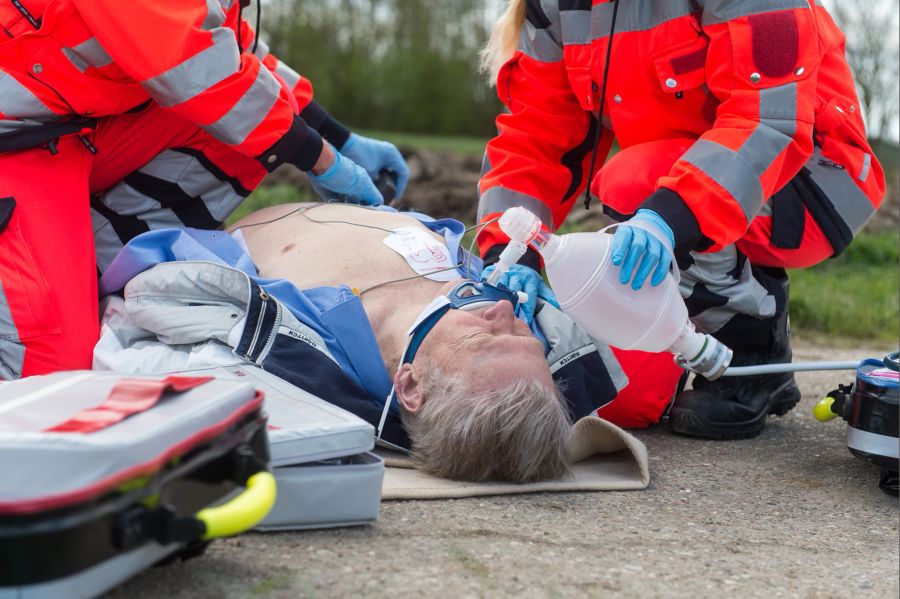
335	313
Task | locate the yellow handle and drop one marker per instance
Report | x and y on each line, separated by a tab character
822	410
243	512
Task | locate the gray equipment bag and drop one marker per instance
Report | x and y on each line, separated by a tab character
321	457
104	475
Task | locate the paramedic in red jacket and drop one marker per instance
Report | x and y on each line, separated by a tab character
121	117
741	140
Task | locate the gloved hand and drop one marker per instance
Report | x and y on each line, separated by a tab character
523	278
348	181
632	243
374	156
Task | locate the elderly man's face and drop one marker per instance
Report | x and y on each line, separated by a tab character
489	347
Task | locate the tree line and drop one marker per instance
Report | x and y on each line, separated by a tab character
412	65
401	65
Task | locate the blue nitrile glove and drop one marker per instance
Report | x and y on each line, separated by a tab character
345	180
524	278
632	243
375	156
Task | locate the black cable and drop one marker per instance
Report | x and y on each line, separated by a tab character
599	132
258	18
304	209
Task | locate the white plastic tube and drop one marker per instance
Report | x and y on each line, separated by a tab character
789	367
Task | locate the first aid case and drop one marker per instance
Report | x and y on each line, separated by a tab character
104	475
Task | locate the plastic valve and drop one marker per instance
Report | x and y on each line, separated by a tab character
822	410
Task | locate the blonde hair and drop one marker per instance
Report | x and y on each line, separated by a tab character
504	39
517	433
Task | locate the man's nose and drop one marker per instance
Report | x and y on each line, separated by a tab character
501	313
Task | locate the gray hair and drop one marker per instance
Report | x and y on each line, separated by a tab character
516	433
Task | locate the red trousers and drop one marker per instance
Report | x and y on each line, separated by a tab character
48	273
622	184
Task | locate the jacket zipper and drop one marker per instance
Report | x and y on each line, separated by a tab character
259	322
274	330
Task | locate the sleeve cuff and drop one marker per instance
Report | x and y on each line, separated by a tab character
301	146
669	205
327	126
530	259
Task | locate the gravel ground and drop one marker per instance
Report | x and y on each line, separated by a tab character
788	514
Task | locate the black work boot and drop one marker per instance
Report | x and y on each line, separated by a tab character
735	407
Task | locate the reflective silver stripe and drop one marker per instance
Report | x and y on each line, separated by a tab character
613	367
872	443
183	170
866	166
226	4
849	201
551	11
197	181
778	107
638	16
89	52
581	26
106	241
775	130
743	294
485	164
17	101
575	26
498	199
236	124
262	49
539	44
290	76
731	171
215	15
77	61
720	11
740	172
198	73
762	147
12	351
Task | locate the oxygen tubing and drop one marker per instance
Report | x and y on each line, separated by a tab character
789	367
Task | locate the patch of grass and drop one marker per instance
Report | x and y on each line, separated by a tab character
854	296
470	563
467	146
275	583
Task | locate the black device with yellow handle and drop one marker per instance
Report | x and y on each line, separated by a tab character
106	475
869	405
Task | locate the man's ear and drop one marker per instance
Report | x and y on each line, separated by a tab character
408	386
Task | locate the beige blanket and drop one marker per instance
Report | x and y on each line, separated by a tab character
605	458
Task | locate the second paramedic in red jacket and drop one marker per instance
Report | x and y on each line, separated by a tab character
121	117
741	139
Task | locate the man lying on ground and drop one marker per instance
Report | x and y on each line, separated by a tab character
377	312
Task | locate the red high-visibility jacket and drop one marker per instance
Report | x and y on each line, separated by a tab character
99	58
756	83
